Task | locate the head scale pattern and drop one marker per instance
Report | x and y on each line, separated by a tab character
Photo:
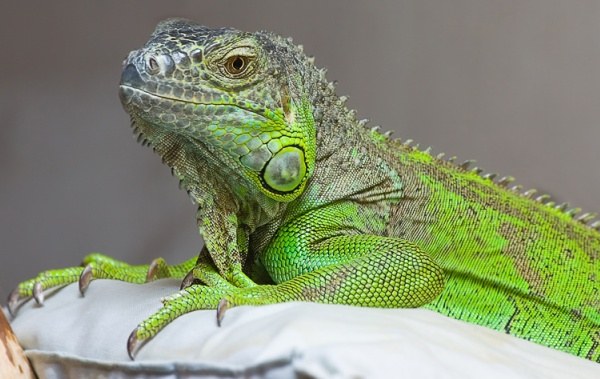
236	93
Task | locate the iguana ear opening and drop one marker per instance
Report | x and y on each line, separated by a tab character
286	170
285	174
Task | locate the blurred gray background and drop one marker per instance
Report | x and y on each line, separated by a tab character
514	84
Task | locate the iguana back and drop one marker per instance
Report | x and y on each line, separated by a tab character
513	263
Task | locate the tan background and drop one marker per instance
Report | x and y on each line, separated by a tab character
514	84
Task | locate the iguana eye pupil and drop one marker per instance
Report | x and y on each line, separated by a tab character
237	65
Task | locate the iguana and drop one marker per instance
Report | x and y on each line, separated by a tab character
300	201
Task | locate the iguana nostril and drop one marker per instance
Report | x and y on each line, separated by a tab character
153	67
159	64
131	77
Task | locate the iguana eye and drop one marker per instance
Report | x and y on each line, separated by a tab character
238	66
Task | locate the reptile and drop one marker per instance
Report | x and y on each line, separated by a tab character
298	200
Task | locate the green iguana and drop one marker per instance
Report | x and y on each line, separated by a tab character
299	201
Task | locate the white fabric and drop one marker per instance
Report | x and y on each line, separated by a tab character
71	336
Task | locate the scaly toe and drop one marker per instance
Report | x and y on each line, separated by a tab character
85	278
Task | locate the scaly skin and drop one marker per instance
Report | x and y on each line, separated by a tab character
298	201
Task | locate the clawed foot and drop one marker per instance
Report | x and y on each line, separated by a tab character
35	288
94	266
202	288
192	298
134	343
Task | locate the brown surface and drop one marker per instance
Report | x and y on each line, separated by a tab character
13	363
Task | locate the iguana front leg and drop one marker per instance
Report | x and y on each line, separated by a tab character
318	257
219	268
322	256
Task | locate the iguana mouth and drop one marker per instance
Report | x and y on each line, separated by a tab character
127	99
132	83
124	88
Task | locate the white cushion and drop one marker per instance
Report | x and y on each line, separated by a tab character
78	336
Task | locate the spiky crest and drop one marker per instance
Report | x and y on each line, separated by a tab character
543	199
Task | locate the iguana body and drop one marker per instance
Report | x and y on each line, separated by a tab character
299	201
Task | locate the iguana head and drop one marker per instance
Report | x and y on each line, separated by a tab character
238	95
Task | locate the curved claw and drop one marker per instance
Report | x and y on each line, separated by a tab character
133	344
13	302
85	278
152	269
188	280
223	306
38	293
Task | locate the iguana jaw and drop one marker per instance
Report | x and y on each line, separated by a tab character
128	95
